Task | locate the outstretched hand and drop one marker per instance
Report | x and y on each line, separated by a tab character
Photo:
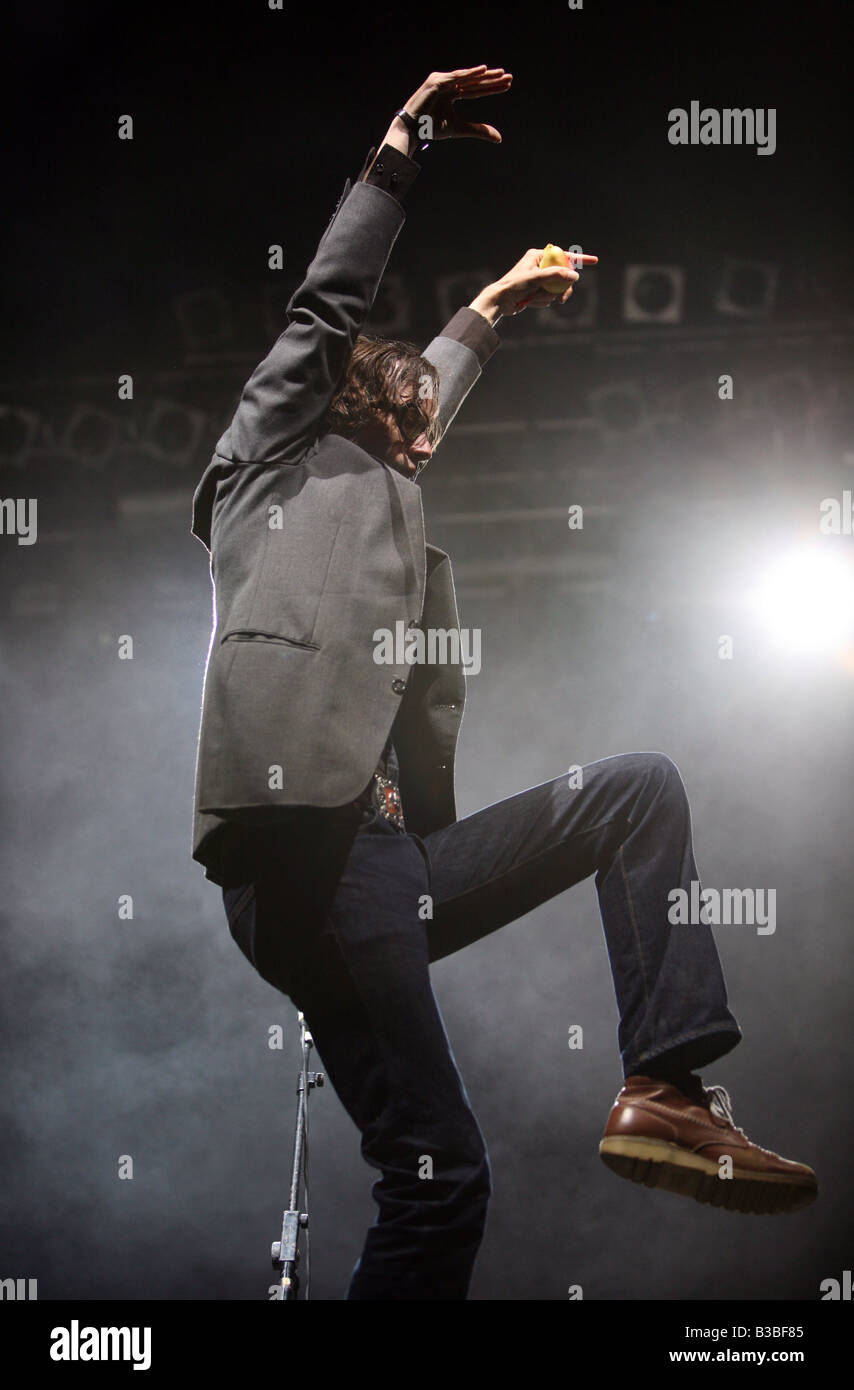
526	283
436	99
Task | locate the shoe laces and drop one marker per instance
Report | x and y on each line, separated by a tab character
721	1105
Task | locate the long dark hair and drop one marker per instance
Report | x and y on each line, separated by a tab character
381	374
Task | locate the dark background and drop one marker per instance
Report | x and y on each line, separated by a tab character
148	1037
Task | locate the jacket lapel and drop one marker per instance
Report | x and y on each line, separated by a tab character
412	509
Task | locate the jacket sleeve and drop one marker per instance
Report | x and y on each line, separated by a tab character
283	404
460	352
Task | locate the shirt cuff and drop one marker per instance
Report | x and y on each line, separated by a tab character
472	330
393	171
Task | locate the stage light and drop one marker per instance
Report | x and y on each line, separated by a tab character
174	434
805	600
20	431
619	410
747	289
92	436
653	293
790	395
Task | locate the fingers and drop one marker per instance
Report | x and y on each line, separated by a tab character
484	89
576	258
541	299
488	79
483	73
461	76
555	272
470	82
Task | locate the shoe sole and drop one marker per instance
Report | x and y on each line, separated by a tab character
655	1163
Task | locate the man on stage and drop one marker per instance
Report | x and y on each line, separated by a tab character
324	797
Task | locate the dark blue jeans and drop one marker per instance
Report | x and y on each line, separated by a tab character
340	921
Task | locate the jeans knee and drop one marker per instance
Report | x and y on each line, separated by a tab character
663	773
472	1193
448	1164
461	1175
481	1174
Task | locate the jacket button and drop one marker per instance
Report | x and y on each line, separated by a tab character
413	622
398	686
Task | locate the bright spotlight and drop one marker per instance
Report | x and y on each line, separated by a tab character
806	599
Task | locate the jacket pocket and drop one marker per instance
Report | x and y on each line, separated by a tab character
275	638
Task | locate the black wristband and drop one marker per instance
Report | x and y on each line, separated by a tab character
411	123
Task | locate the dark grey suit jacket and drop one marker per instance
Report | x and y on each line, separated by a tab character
315	545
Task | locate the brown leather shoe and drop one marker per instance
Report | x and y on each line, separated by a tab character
670	1136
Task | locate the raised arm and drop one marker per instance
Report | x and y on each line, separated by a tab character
459	353
466	343
284	403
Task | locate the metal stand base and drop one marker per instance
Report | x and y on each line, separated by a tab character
285	1251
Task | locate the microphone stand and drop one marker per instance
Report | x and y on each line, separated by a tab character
284	1251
